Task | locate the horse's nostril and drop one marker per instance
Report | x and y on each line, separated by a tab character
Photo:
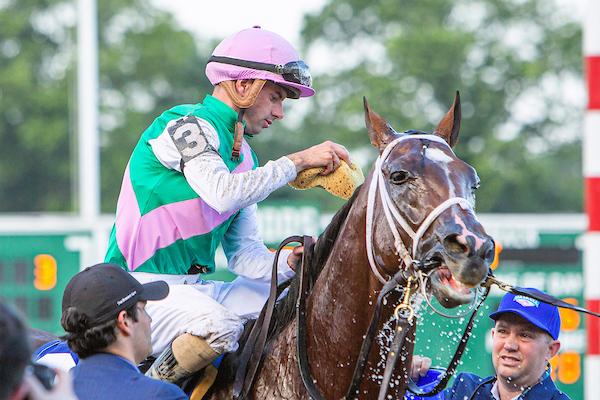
454	244
489	254
488	251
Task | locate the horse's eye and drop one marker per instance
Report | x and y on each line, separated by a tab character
399	177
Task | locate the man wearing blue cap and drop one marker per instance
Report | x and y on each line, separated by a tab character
525	338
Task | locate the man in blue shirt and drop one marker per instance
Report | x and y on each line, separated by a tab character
103	313
525	338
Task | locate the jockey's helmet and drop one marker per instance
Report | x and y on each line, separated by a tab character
257	53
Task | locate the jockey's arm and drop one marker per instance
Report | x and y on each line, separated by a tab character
208	175
246	253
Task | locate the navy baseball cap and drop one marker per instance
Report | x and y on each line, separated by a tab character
544	316
102	291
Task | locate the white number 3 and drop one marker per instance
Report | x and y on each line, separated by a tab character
188	138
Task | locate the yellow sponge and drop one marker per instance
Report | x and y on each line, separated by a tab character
341	183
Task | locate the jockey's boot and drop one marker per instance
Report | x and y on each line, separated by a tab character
186	354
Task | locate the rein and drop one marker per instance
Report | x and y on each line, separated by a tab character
255	346
487	284
252	353
543	297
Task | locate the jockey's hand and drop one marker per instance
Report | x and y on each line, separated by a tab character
419	367
295	257
327	154
62	389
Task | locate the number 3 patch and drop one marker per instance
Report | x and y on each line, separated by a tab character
189	138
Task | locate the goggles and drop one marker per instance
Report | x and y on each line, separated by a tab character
294	71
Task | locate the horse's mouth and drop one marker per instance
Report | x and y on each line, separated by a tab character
449	291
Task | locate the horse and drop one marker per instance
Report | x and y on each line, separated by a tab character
424	214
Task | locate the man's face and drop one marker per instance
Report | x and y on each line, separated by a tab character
267	108
141	332
520	351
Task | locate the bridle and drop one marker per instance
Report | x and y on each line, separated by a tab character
421	268
393	217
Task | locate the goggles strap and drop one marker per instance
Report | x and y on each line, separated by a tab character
247	64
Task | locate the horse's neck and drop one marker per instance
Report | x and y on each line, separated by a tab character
339	312
339	308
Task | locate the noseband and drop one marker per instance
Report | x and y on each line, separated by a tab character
391	212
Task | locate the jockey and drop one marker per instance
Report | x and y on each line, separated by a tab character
193	182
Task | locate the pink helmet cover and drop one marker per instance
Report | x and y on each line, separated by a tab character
254	44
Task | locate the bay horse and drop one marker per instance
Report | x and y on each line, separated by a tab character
415	206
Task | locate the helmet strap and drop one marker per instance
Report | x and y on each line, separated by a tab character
238	135
247	100
242	102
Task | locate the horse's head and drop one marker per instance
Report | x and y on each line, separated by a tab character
426	199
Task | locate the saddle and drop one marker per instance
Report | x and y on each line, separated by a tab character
341	183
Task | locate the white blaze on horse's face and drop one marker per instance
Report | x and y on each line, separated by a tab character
440	157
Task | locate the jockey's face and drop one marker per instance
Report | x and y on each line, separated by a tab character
267	108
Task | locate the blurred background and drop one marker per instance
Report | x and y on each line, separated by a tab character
517	63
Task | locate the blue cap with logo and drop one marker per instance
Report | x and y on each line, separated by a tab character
540	314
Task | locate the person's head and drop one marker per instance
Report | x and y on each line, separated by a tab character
525	338
103	309
14	353
256	69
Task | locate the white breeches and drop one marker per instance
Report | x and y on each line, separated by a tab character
213	310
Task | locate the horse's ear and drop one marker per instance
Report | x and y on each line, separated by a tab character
450	125
380	132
